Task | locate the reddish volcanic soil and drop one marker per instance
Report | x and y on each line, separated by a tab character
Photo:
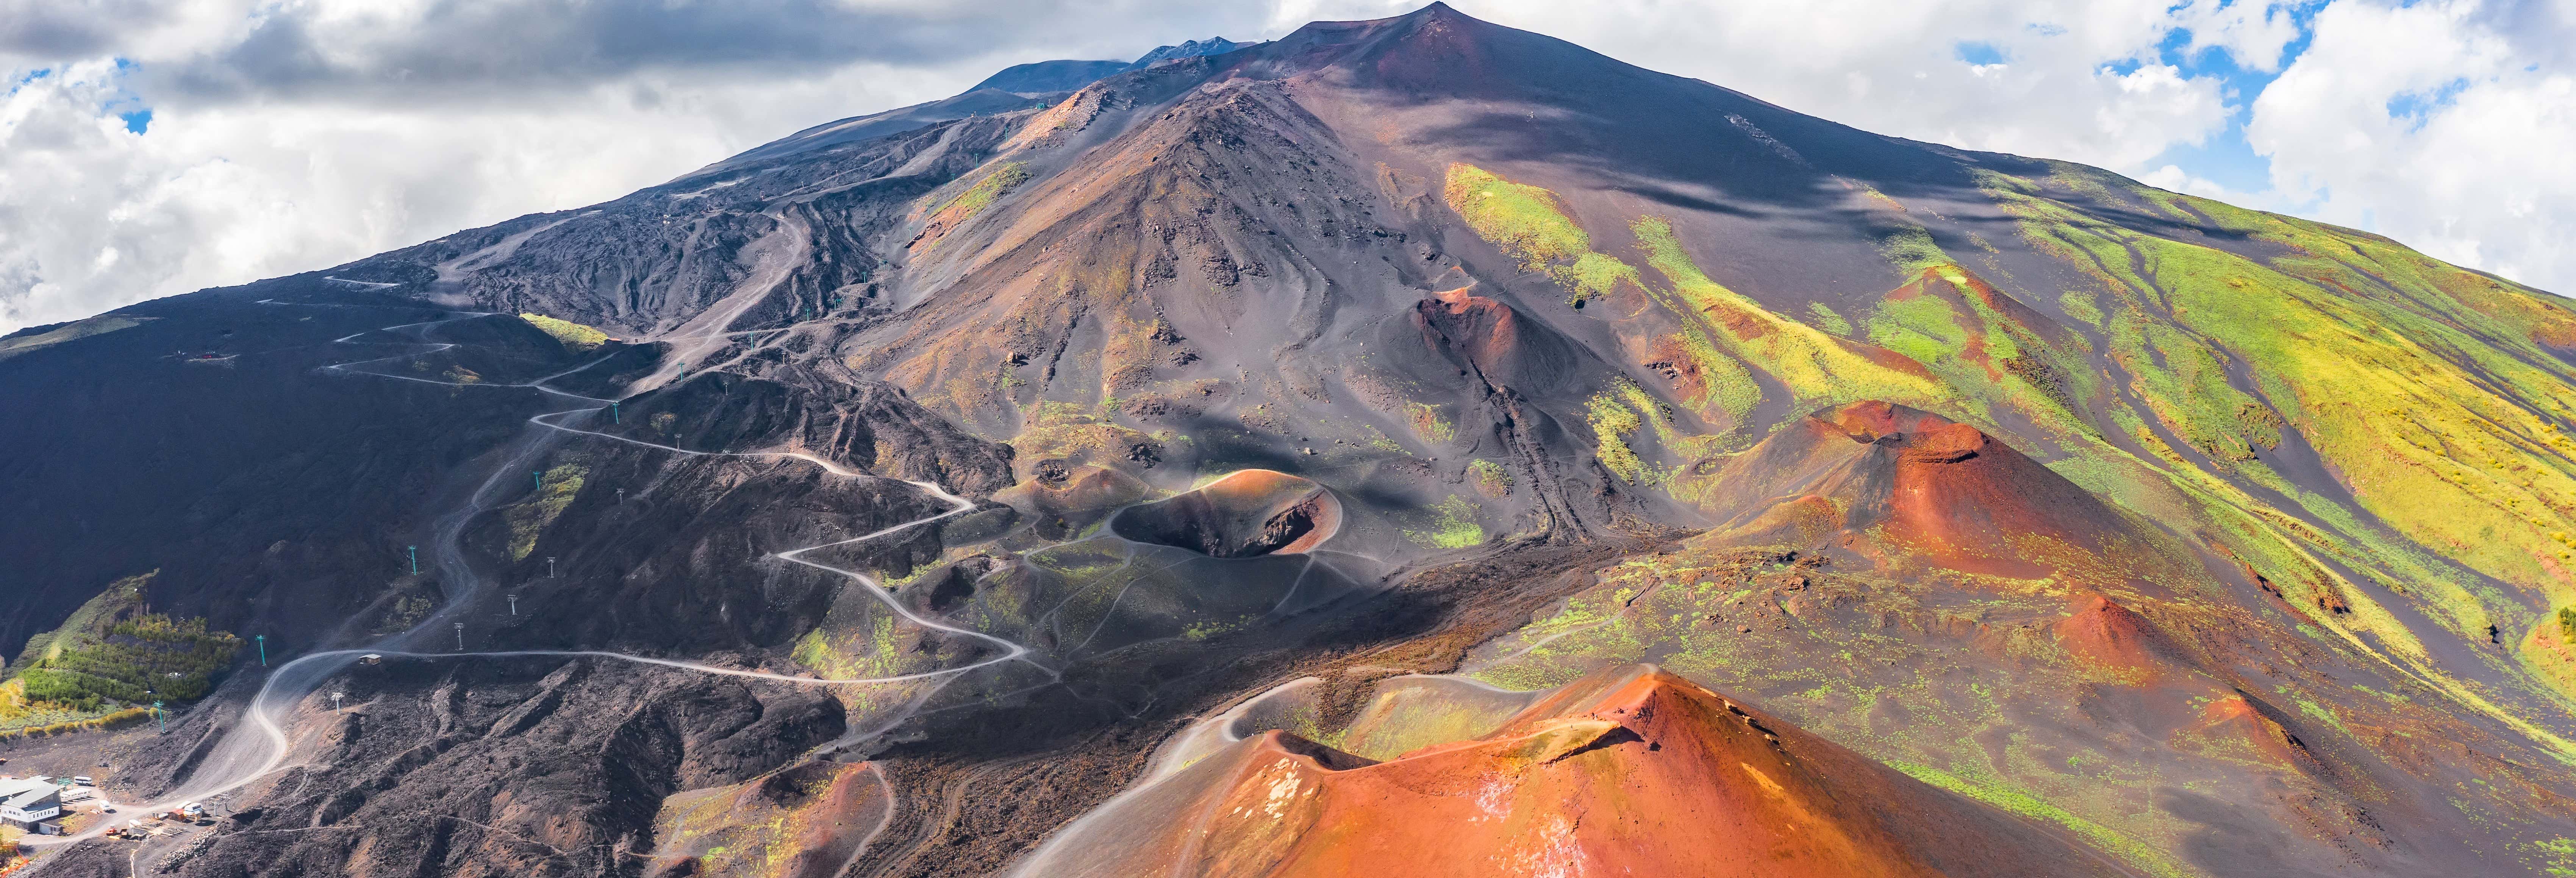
1632	771
2111	636
1490	338
1883	480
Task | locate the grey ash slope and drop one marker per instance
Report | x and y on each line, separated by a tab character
1018	87
1058	77
1049	77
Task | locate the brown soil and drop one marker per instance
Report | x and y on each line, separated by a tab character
1630	771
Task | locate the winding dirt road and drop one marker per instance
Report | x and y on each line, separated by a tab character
238	760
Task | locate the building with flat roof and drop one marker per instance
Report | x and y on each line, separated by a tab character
27	804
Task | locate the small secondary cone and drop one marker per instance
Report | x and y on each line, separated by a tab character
2234	720
1632	771
1893	482
2101	631
1500	346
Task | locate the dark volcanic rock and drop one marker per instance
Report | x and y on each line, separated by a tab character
525	768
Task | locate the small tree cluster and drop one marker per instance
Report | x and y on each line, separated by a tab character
141	659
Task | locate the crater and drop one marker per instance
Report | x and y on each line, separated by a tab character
1247	514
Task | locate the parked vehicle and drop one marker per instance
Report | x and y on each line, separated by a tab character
84	780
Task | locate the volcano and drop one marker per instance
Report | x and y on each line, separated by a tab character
1378	447
1629	771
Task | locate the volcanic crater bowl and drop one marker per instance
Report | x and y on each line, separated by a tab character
1246	514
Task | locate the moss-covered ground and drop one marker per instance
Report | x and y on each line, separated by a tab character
573	335
2367	449
109	659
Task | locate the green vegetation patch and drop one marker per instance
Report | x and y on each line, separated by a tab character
842	650
2424	386
1923	327
2559	857
1815	366
1078	434
2137	853
74	677
529	518
1828	320
1428	423
573	335
1612	422
1911	249
1491	479
121	598
135	660
1453	526
94	326
1980	342
1004	178
405	612
1529	224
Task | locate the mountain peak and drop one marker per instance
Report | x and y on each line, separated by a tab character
1189	49
1051	77
1046	77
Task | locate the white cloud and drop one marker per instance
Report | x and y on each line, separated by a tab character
289	135
2080	81
2173	177
93	216
2255	33
2437	125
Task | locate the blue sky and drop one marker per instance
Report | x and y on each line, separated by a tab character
2226	158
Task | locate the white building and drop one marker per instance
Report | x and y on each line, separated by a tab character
28	803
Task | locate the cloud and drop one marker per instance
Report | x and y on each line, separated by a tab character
2081	81
93	215
52	30
2446	125
2255	35
439	51
289	135
2174	178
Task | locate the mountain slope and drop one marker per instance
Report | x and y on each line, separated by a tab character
2137	531
1630	771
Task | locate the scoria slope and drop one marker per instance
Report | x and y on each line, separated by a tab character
1627	771
879	501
